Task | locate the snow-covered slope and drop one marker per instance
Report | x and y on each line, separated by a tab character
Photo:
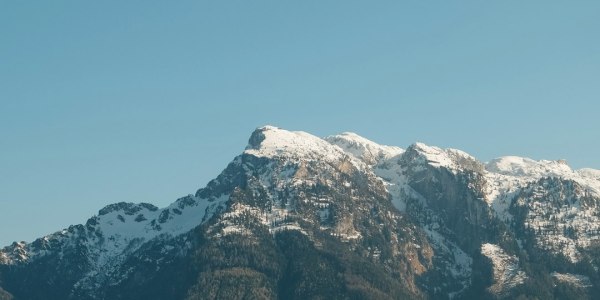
452	159
590	173
121	228
507	175
125	225
270	141
576	280
506	269
511	170
362	148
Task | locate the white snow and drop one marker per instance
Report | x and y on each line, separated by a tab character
460	261
506	176
114	233
438	157
362	148
580	281
526	167
391	173
511	172
19	253
274	220
507	273
122	235
572	224
296	144
589	173
383	160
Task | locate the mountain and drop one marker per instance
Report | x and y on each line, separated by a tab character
295	216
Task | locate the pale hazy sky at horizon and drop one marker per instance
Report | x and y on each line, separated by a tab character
145	101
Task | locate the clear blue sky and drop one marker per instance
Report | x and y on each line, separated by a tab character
107	101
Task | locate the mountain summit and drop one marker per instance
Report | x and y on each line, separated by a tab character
295	216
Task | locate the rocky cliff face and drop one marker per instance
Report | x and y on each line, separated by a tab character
300	217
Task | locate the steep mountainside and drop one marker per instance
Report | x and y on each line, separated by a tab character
300	217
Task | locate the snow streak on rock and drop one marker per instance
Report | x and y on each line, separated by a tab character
507	273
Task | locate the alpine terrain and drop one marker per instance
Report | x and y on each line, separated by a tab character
295	216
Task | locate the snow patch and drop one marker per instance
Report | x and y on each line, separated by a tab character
507	273
461	262
579	281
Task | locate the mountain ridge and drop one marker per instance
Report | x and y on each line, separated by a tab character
331	190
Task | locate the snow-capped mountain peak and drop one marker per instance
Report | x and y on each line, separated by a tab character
434	216
514	169
589	173
526	167
271	141
451	159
